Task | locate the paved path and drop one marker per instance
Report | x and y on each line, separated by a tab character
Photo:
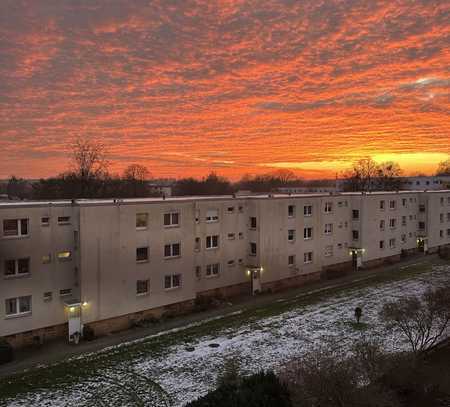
59	350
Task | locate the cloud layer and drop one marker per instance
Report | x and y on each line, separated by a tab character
185	86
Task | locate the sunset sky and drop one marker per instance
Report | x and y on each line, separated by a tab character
189	86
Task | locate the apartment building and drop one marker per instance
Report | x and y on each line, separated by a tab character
110	263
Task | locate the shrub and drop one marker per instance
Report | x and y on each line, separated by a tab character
6	351
88	333
262	389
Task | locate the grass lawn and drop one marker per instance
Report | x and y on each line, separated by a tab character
186	361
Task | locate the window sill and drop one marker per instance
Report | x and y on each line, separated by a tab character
172	257
308	262
172	288
142	228
23	314
64	223
212	221
252	254
15	237
212	276
212	248
17	276
291	240
142	294
307	238
171	226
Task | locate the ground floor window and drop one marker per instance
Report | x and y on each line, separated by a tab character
142	287
18	306
172	281
212	270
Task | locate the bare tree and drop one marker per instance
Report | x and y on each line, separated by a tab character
136	172
90	164
443	168
422	321
388	174
135	177
362	175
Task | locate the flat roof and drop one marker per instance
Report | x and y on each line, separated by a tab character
125	201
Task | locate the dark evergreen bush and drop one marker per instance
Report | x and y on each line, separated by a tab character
88	333
262	389
6	351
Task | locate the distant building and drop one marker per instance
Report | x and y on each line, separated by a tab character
426	182
107	263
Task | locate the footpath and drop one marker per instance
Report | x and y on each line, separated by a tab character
59	350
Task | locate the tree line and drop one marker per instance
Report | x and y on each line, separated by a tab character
88	176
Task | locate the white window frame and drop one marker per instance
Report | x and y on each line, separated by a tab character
65	255
16	268
293	262
171	250
291	213
255	252
63	222
392	223
328	251
308	257
212	270
145	283
174	219
45	223
172	278
210	242
142	260
392	243
328	207
291	235
212	215
328	229
18	301
307	210
145	215
18	228
307	233
392	204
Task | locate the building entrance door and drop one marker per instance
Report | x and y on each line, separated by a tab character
74	320
256	281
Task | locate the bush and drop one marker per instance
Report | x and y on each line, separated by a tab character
88	333
262	389
6	351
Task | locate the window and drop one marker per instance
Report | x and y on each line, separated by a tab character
231	236
291	211
65	292
141	254
240	208
46	258
328	228
448	200
197	216
403	220
63	220
392	204
231	263
307	210
17	267
355	214
291	235
252	222
448	216
448	232
441	233
382	205
230	209
48	296
308	257
212	270
15	227
403	238
241	235
142	287
18	306
441	217
212	242
382	224
141	220
381	244
328	251
172	250
404	202
64	256
392	243
328	207
392	223
307	233
252	249
421	208
198	272
45	221
212	215
197	244
291	260
421	225
355	234
171	219
172	281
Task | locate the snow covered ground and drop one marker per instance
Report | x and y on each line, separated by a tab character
187	371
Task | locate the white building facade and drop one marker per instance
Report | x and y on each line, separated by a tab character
109	263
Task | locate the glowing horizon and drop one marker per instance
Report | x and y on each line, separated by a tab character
230	86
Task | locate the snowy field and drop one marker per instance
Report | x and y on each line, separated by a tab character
187	371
